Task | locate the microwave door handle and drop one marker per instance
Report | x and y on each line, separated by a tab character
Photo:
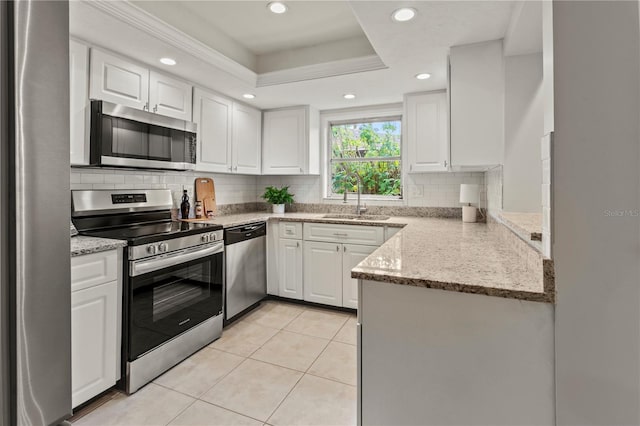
144	266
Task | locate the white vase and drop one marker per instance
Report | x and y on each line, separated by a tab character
278	208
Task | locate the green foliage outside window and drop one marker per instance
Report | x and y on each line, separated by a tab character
374	148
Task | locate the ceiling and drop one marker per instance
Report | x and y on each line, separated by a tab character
247	31
406	49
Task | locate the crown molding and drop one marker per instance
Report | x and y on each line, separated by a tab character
144	21
326	69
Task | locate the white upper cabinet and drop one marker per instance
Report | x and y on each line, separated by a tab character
426	126
290	141
115	80
477	105
79	102
122	82
246	139
229	135
170	97
213	115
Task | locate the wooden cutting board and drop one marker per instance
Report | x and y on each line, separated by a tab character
206	193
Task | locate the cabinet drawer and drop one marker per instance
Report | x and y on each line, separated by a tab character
291	230
353	234
93	269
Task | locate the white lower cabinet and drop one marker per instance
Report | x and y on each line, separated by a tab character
93	341
95	324
317	268
352	254
290	269
323	272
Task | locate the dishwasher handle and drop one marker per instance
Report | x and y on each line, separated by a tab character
245	232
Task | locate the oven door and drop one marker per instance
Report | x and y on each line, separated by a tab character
172	293
127	137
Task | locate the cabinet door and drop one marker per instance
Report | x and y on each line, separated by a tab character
247	140
352	255
79	102
213	115
170	97
94	342
284	142
116	80
477	104
323	273
290	269
427	135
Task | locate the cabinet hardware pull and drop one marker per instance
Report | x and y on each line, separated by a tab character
337	248
146	106
155	108
340	234
301	170
297	244
235	168
344	248
445	163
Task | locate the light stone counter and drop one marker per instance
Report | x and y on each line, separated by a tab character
81	245
438	253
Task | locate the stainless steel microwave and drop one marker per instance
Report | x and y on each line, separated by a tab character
126	137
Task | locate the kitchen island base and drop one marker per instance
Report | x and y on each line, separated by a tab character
437	357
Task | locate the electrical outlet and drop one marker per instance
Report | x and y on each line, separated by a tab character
416	190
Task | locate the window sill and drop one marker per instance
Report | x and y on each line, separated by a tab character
363	200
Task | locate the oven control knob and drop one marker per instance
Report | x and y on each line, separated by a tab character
204	238
213	237
151	249
163	247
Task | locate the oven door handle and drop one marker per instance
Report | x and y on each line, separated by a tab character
144	266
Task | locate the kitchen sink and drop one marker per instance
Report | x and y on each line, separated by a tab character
356	216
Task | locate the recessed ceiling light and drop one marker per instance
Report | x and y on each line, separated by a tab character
423	76
404	14
168	61
349	96
277	7
249	96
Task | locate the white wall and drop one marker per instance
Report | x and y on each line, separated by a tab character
524	127
230	189
596	197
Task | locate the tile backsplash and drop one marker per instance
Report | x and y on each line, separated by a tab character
421	190
493	183
230	189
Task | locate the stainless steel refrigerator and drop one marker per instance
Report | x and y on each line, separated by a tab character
35	298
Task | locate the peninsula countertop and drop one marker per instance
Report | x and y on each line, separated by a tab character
435	253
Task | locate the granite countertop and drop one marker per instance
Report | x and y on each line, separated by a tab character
451	255
81	244
435	253
529	225
245	218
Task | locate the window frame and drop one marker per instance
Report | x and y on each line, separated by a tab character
392	112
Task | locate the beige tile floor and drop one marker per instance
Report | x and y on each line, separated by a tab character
282	364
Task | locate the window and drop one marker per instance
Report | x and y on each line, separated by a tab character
369	149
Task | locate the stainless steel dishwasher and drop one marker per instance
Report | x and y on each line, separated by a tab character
246	265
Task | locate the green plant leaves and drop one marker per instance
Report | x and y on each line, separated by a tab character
276	195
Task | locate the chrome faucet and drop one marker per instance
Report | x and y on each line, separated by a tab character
359	209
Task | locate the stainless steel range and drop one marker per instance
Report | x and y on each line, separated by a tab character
173	277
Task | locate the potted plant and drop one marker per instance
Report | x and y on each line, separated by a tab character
278	197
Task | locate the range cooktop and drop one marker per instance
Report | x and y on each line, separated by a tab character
153	232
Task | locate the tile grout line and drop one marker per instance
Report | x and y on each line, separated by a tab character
182	411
